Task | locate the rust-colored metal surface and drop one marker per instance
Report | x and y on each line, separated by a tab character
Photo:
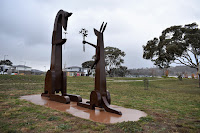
100	97
97	115
55	80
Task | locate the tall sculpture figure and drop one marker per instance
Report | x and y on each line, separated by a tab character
100	97
55	80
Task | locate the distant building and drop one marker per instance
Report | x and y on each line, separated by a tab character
36	72
20	69
78	71
74	71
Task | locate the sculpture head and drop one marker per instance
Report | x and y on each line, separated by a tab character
62	18
60	21
65	19
100	32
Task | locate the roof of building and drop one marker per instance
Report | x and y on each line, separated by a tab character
21	66
35	70
73	67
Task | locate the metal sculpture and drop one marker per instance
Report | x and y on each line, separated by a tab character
84	32
55	80
100	97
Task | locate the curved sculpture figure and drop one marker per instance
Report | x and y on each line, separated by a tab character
55	80
100	97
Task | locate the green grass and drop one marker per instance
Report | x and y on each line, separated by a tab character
127	78
171	105
21	79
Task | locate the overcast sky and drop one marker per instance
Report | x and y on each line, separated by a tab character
26	27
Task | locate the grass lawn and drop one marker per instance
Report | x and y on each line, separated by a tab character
171	105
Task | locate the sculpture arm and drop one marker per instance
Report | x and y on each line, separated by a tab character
59	42
95	62
89	44
97	57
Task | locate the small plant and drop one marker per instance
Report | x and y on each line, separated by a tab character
64	126
179	76
146	83
164	76
98	127
185	75
193	76
52	118
167	73
130	126
146	119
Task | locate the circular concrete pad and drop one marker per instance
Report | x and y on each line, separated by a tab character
97	115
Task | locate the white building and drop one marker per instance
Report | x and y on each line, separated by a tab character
21	69
78	71
74	71
4	69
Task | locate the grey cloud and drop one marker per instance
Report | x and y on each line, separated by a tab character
26	27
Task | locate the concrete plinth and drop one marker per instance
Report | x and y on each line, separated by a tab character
97	115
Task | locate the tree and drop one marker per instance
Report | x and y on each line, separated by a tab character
6	62
87	64
113	58
121	71
177	44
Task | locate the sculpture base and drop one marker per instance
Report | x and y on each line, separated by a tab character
85	105
63	99
57	98
97	115
97	100
105	106
74	98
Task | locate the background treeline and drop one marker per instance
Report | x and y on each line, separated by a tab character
172	71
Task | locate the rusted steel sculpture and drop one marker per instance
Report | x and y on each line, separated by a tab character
100	97
55	80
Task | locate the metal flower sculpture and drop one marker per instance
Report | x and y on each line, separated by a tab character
84	32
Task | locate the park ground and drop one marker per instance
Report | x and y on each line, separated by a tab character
171	105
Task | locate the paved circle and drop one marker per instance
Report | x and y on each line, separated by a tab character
97	115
